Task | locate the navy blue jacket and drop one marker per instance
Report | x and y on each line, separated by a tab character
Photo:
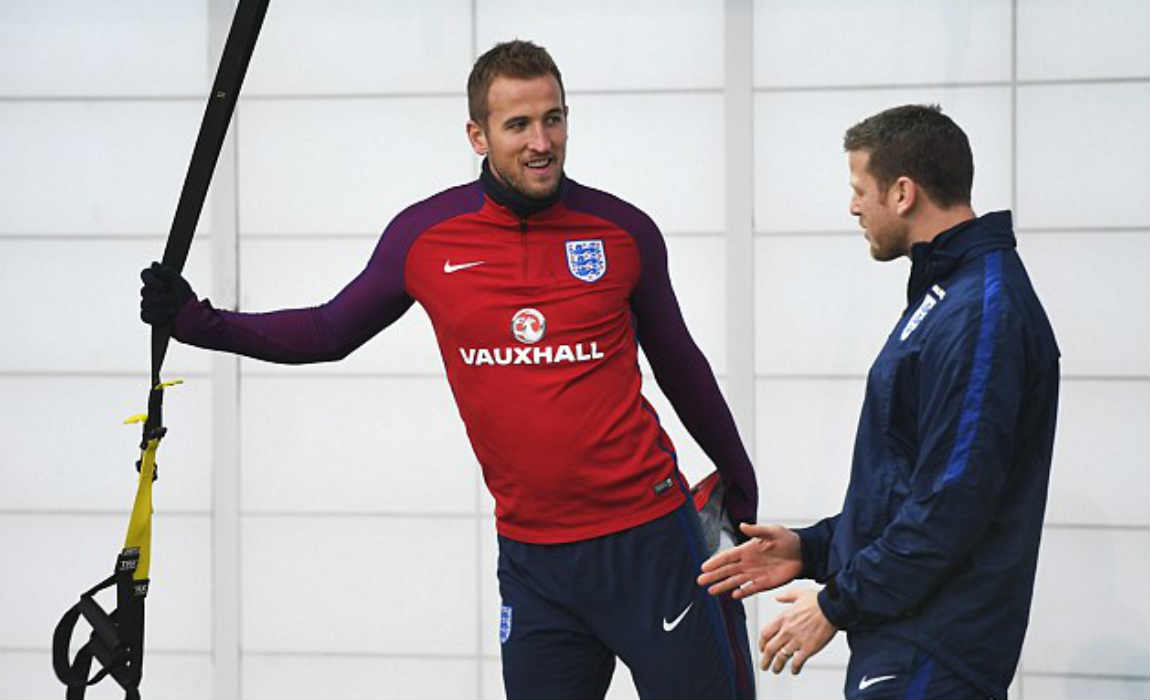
938	537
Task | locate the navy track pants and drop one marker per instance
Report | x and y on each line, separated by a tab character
570	609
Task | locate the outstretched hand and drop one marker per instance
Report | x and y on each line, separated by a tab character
771	558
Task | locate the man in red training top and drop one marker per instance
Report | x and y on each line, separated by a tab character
538	289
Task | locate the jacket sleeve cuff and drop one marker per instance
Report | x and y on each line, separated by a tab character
814	552
839	610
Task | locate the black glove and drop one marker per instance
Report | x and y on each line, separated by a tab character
164	293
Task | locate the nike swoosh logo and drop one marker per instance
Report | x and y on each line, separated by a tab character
668	626
449	268
868	682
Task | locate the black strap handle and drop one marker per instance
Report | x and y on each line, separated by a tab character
238	50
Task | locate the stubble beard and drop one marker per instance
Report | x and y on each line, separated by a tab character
517	187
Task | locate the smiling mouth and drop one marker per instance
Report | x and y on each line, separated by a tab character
540	163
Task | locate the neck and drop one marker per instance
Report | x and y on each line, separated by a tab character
930	222
505	195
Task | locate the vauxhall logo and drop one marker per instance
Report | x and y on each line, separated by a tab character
528	326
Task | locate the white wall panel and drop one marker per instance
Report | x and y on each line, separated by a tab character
805	438
490	601
169	676
1075	688
492	680
363	678
622	684
346	166
72	47
601	45
359	585
1096	293
822	305
355	444
697	267
801	174
96	167
61	557
294	273
1083	155
1080	39
662	153
486	503
1084	577
86	310
816	682
360	46
693	462
65	443
1101	470
880	43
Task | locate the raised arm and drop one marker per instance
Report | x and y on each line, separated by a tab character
367	305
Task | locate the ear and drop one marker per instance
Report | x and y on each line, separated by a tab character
477	137
905	195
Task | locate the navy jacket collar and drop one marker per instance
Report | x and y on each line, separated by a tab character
935	260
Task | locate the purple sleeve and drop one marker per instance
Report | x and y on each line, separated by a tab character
371	302
679	366
686	378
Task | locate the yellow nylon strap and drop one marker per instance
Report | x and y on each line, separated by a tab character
140	524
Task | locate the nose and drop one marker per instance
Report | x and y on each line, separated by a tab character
854	207
538	140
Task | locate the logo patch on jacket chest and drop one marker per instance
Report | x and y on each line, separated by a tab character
928	303
587	260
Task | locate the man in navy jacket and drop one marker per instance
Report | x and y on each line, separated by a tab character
929	568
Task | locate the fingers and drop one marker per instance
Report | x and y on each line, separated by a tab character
783	657
769	631
747	590
148	277
776	652
157	277
735	581
760	531
723	558
797	662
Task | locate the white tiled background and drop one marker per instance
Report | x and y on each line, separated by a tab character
366	541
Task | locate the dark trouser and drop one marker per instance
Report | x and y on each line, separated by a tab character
883	667
570	609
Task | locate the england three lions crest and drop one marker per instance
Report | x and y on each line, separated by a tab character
587	260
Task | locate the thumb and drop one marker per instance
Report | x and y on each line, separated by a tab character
751	530
787	596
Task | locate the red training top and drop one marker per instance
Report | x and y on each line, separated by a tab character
537	310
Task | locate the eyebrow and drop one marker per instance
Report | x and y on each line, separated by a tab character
511	120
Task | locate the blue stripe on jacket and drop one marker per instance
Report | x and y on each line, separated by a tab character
980	371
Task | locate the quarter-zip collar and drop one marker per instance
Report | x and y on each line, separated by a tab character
520	204
934	260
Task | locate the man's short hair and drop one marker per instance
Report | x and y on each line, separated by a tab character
920	142
511	59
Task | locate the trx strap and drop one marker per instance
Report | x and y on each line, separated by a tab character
117	638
